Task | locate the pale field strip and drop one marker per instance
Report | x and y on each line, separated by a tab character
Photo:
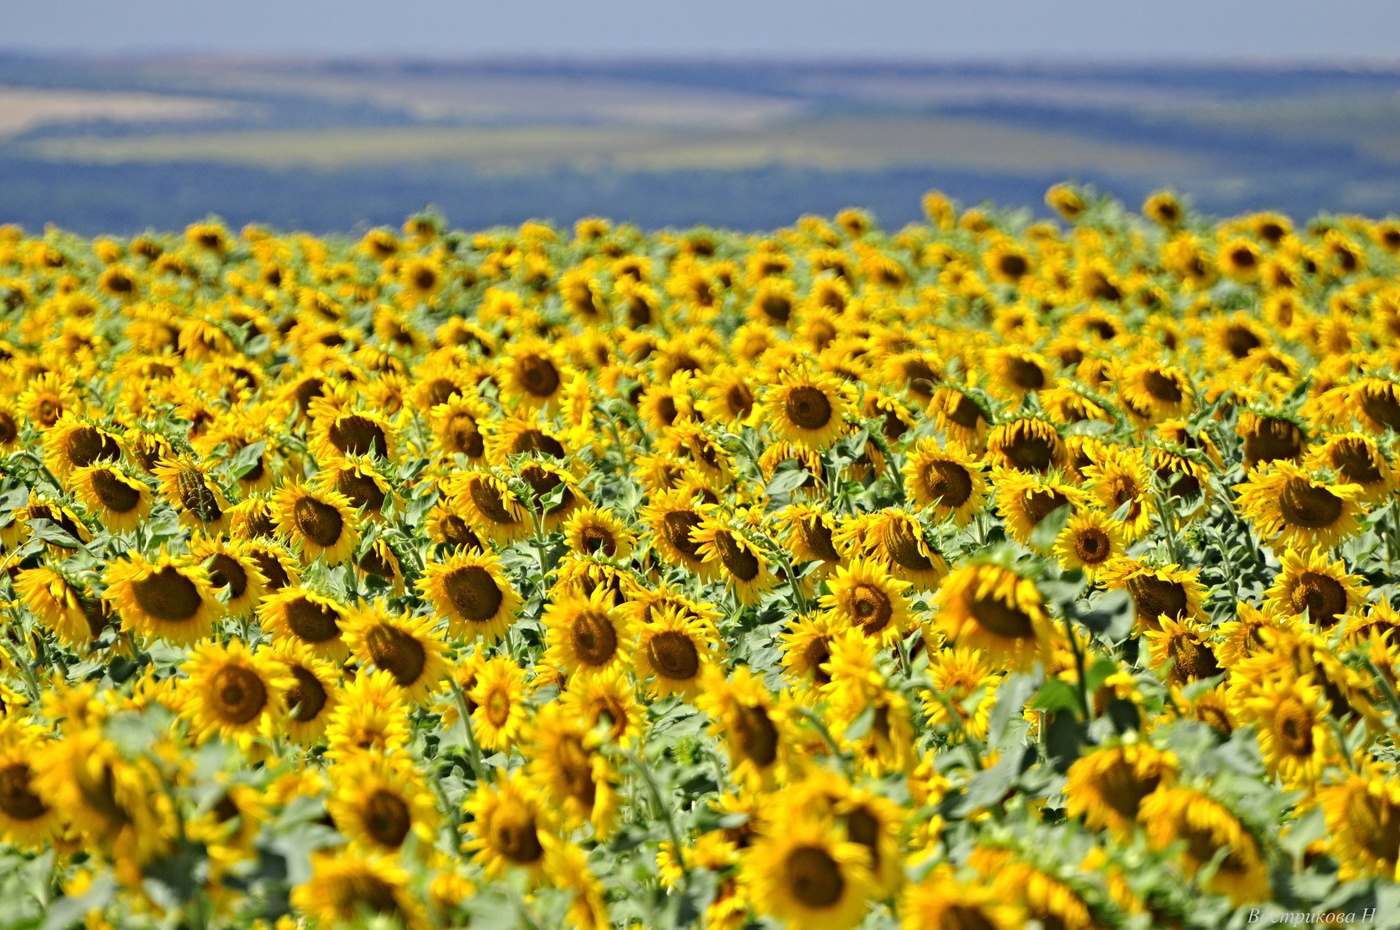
832	143
26	108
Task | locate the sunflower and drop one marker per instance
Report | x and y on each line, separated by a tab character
74	442
808	875
1309	583
1164	208
960	416
232	570
674	649
808	408
964	690
471	590
1363	822
458	428
545	479
312	696
378	802
372	715
729	398
338	434
666	403
673	520
347	885
233	692
252	518
530	375
319	524
1107	786
806	646
1184	646
566	761
497	697
294	615
1291	506
116	806
120	501
593	530
1118	480
756	727
1026	444
381	562
1375	401
947	478
1208	829
26	820
737	560
1152	391
489	507
607	699
993	609
895	538
942	902
170	598
586	636
1070	204
1270	438
866	597
1358	460
402	645
360	481
187	486
1026	499
60	605
811	534
1089	541
588	909
523	435
1168	591
1295	737
447	529
510	829
47	398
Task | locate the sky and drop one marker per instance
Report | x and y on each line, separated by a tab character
1357	30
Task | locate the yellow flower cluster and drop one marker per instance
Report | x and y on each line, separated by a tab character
983	572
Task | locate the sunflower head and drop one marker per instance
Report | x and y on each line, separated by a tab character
809	408
993	609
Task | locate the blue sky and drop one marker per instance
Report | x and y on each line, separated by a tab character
904	29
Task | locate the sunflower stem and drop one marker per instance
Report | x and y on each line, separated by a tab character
654	791
1384	683
820	725
1082	686
473	750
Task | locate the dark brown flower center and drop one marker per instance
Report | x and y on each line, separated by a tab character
538	376
397	653
1374	824
808	408
1030	448
755	736
465	436
678	526
312	621
17	800
1122	788
1353	458
167	595
1302	504
905	545
352	434
1041	502
361	489
1323	596
871	607
737	559
88	444
490	502
239	694
949	483
1092	546
1192	659
473	592
673	655
1155	596
1002	619
513	834
114	493
1293	727
225	572
1273	439
318	521
386	818
593	637
307	697
813	877
197	497
1025	374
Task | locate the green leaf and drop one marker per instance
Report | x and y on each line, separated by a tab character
50	532
788	480
862	724
1006	712
65	912
247	458
1099	672
1056	695
1048	530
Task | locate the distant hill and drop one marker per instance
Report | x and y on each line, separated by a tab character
322	144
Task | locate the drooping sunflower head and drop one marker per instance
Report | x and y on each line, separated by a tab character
1299	509
74	442
120	500
960	415
1270	437
673	519
510	828
343	432
1026	444
406	647
992	608
1375	401
1027	499
1168	591
729	551
61	605
171	597
1208	829
472	591
489	507
1363	822
1357	459
233	570
188	486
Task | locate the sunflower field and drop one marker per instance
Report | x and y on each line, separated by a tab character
991	573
